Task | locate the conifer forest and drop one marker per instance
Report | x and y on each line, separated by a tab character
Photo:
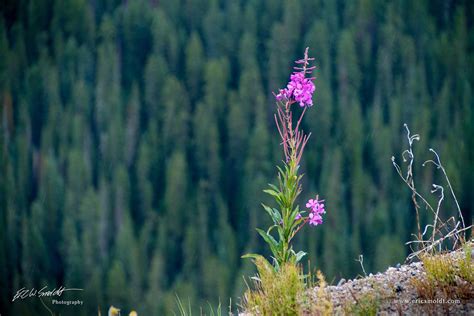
137	137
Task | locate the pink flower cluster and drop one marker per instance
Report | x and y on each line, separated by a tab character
316	207
299	89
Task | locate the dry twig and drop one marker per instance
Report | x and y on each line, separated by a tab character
452	229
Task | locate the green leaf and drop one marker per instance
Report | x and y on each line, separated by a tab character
274	187
295	212
276	264
272	193
267	209
299	255
274	214
255	256
280	170
269	240
292	217
251	256
267	237
269	230
277	216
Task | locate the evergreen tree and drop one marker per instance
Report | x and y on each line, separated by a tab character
133	126
165	38
213	26
156	71
144	188
107	94
175	210
337	220
175	103
118	290
136	43
155	290
194	65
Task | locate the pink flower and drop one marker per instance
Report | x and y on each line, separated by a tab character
311	203
316	207
315	219
300	88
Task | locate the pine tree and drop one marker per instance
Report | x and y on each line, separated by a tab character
175	210
107	93
165	39
156	71
194	65
73	18
144	188
176	108
118	291
136	40
133	126
213	26
337	221
127	256
206	145
255	179
154	295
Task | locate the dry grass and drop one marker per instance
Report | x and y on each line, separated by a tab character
275	293
287	292
439	268
447	276
323	306
366	304
466	264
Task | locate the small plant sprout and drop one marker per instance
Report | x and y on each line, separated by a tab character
288	218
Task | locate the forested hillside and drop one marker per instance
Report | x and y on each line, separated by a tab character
137	137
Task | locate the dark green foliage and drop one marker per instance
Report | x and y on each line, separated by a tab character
136	138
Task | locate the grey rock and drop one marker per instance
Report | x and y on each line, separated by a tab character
391	269
398	288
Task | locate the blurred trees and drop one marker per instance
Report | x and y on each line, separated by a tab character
136	137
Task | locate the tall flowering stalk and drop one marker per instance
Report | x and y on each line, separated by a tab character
287	218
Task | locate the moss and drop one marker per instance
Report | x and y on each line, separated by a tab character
439	269
446	276
366	304
466	265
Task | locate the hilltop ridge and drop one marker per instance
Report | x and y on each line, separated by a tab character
413	289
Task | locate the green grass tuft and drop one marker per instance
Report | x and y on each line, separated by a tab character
366	304
448	276
275	293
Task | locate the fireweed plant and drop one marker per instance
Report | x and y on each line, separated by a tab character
288	218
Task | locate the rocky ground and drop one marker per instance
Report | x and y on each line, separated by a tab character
393	293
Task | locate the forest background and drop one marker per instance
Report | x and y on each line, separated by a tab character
137	137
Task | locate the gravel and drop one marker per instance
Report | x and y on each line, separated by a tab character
395	294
